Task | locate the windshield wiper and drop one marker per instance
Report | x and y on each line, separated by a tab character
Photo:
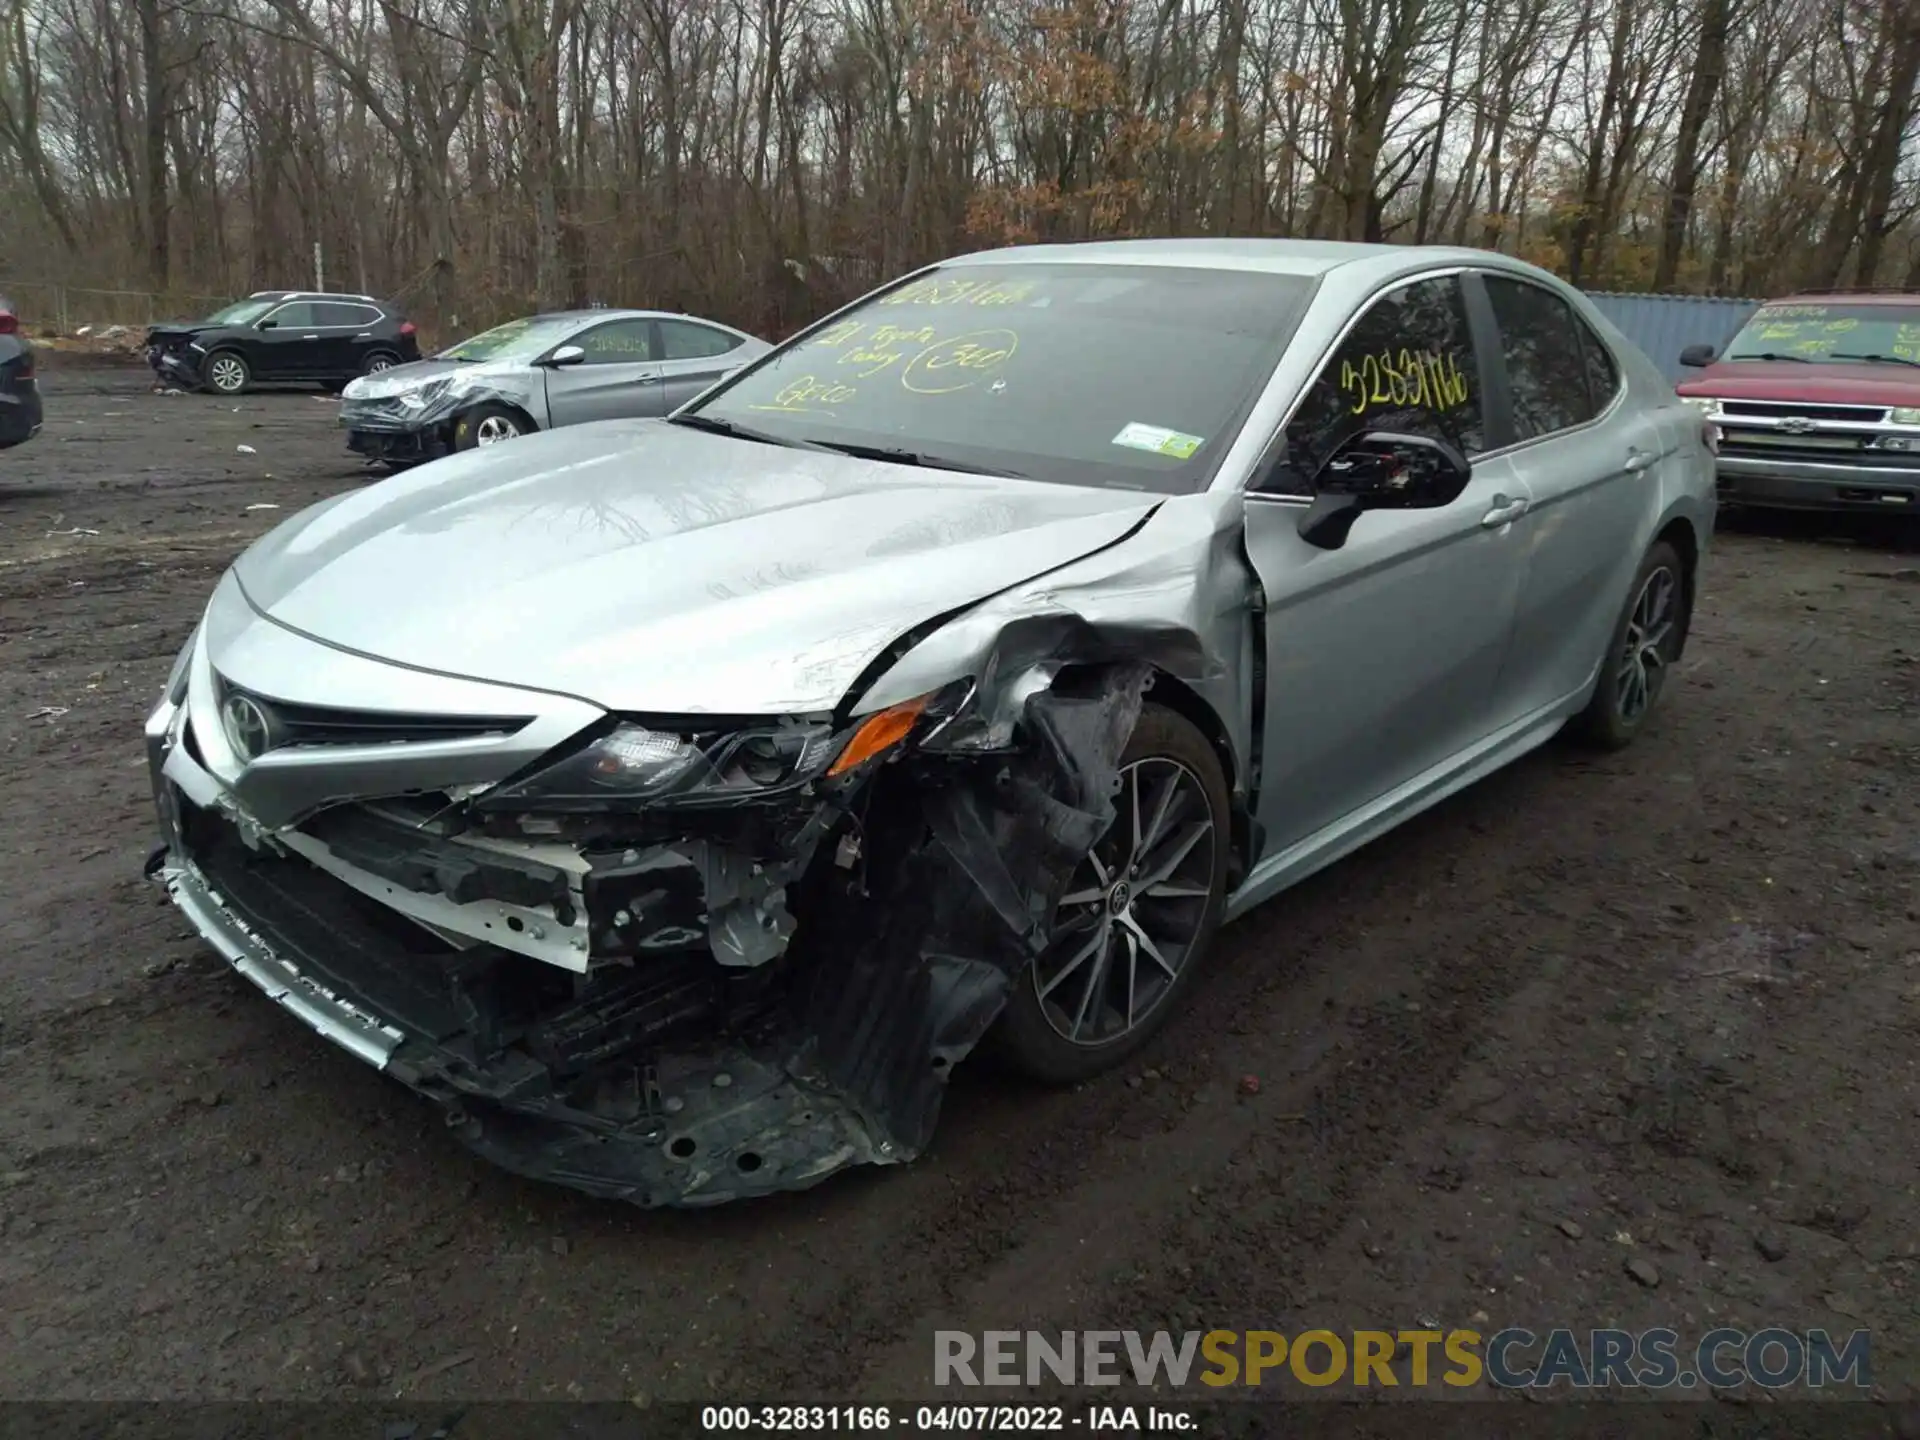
732	431
899	456
1886	359
1770	355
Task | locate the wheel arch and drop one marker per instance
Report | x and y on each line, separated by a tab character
530	426
1679	533
1167	689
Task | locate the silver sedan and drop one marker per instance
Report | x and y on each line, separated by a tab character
678	801
536	373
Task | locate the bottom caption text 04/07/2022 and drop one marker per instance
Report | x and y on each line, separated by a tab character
948	1419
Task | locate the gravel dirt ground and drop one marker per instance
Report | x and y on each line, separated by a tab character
1659	1008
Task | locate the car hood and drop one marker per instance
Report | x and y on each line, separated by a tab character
175	329
1820	382
655	569
415	373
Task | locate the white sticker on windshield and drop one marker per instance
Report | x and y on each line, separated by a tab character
1161	442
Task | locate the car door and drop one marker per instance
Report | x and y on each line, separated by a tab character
1382	654
283	349
620	376
693	356
1589	457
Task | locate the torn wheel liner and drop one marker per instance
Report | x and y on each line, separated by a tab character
675	1078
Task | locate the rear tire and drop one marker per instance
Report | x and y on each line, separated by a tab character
227	373
1646	641
379	360
1144	914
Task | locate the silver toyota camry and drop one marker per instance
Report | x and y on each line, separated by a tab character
677	801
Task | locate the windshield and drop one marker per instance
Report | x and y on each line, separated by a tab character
515	340
1135	377
241	312
1839	332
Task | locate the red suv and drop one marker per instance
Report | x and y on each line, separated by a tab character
1817	401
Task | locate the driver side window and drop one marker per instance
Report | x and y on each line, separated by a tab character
619	342
1407	365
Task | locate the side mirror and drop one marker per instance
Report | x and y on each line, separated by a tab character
566	355
1381	470
268	325
1697	357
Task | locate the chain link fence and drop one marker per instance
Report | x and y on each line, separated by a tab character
65	310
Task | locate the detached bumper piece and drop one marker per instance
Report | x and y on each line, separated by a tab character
174	365
663	1076
405	447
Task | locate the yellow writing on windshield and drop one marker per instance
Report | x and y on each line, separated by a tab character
1412	378
808	394
1906	341
838	334
959	363
872	349
935	291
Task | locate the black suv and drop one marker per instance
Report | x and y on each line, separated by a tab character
278	336
19	391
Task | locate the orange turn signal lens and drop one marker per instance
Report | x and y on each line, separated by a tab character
879	733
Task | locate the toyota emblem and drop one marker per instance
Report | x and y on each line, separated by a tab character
1799	426
248	726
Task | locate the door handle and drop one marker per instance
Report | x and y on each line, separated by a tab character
1638	460
1504	512
649	380
309	337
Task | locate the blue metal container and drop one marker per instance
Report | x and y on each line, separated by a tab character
1664	325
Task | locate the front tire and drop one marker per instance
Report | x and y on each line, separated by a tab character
486	425
1645	643
1138	917
228	373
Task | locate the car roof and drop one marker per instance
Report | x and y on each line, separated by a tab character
609	312
1850	297
312	295
1280	257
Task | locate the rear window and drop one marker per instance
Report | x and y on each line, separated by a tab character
1131	376
1838	332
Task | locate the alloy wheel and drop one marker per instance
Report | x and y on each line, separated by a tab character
378	363
1134	910
227	374
1650	630
493	429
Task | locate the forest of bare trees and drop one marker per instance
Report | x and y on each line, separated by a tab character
760	159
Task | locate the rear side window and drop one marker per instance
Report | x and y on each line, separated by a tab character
1603	375
619	342
297	314
683	340
1546	358
1408	365
344	316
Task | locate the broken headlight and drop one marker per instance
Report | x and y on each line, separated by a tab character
633	765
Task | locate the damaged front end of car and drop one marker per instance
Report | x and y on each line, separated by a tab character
670	961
